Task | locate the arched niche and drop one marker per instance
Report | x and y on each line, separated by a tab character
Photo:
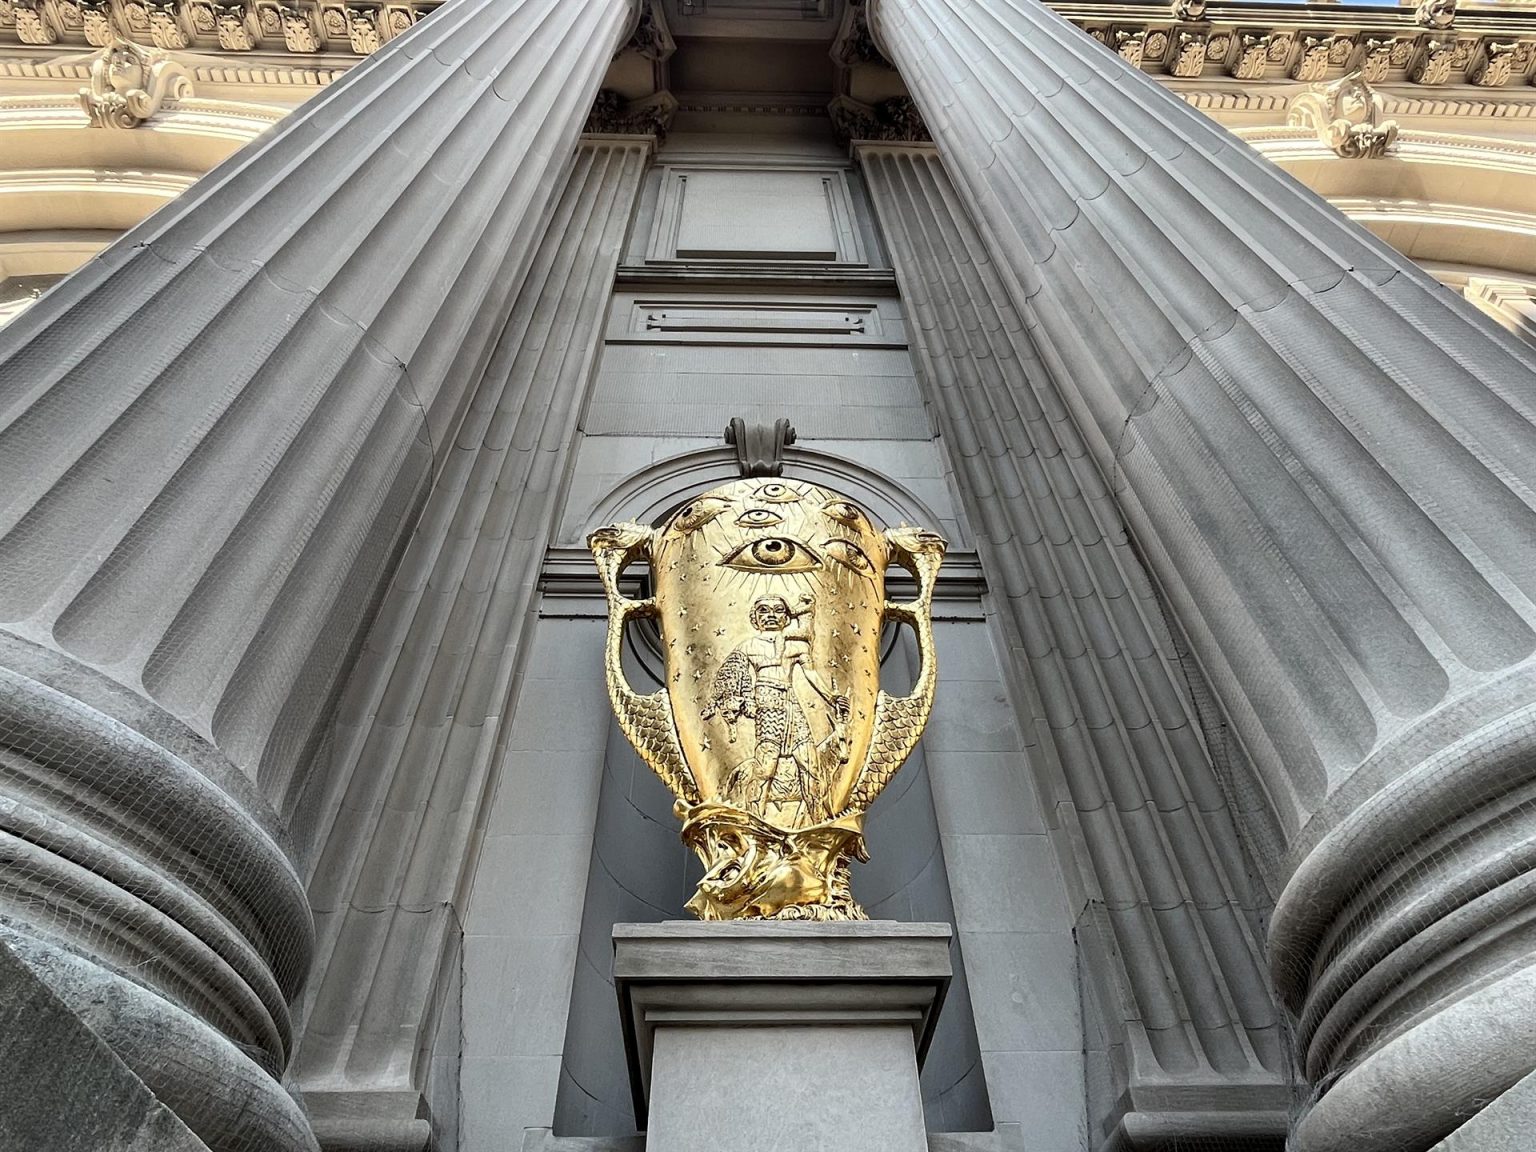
641	872
649	493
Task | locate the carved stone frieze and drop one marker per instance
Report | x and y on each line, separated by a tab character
1314	44
895	119
1348	117
612	114
305	27
129	83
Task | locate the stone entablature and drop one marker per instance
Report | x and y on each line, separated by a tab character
299	27
1485	47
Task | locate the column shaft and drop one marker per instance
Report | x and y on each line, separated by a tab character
1171	941
1329	463
214	442
420	726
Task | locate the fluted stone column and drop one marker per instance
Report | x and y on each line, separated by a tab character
1329	463
214	441
1167	926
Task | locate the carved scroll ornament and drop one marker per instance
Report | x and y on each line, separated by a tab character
129	83
1348	116
772	730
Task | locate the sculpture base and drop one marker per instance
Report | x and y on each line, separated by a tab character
758	1035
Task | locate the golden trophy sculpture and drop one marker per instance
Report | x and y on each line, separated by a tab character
772	731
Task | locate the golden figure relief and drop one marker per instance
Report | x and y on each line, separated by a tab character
772	731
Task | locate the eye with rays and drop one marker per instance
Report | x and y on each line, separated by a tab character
850	554
698	513
843	512
776	493
772	554
759	518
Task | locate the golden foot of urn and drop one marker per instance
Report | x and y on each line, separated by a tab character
756	871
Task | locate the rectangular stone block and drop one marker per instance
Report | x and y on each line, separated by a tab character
758	1036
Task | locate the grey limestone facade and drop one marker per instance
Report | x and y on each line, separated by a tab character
315	828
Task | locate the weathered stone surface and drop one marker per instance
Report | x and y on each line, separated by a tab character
65	1090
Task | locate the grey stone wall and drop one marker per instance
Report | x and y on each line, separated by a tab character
581	836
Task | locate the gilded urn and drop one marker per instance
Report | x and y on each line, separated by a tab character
772	731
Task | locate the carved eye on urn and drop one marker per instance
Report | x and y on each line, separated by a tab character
843	512
698	513
776	493
772	554
759	518
851	555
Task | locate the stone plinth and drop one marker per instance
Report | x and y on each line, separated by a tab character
780	1035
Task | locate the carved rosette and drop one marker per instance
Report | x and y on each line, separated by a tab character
772	730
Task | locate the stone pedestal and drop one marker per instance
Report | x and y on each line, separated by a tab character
780	1035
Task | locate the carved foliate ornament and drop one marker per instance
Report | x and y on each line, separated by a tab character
612	114
772	730
1188	60
1377	61
1348	116
1130	44
32	23
165	30
234	28
96	23
1252	57
1434	66
1312	64
129	83
1495	66
895	119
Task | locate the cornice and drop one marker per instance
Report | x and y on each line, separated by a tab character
206	69
223	118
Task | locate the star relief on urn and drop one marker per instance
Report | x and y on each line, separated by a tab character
772	730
